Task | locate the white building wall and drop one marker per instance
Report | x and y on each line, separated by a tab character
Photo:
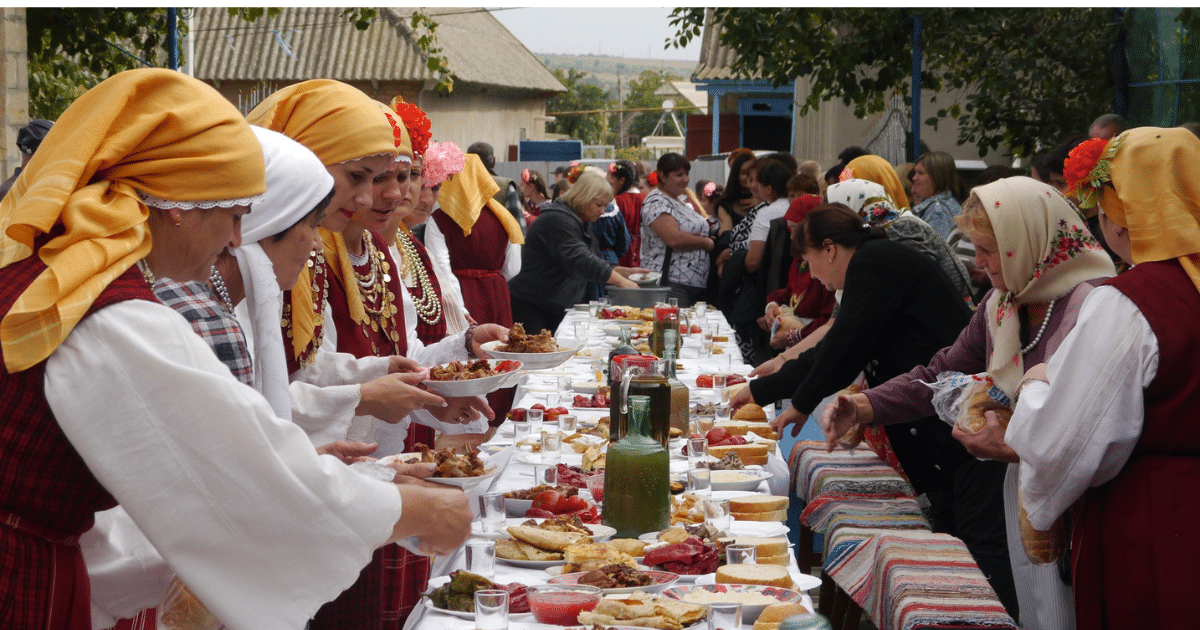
466	117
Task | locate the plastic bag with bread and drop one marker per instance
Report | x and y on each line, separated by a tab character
964	400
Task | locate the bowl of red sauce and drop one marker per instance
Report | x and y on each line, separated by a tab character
560	604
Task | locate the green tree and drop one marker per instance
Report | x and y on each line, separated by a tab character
642	95
1011	77
580	96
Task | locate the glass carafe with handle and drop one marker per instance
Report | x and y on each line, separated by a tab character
637	494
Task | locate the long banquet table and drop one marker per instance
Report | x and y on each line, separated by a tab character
517	474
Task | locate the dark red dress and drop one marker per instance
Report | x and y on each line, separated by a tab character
1135	547
477	260
390	586
47	494
630	204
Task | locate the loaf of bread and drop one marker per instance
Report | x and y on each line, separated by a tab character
783	559
762	574
764	547
773	515
753	453
790	322
1041	547
758	503
735	427
772	616
750	412
971	418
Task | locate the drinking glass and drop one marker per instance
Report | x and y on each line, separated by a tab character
481	557
700	481
604	300
697	450
564	384
553	399
722	411
534	419
594	308
706	345
704	424
722	616
551	446
491	511
741	554
719	381
568	424
547	474
716	513
581	330
701	309
491	609
673	302
595	484
520	431
724	361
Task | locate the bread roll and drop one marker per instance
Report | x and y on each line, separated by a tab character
1041	547
750	412
773	515
758	503
762	574
772	616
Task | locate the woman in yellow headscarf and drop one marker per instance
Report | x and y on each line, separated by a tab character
109	396
1115	431
876	169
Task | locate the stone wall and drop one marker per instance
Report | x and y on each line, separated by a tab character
14	98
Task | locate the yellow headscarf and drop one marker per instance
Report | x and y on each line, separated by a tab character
1156	195
338	123
464	196
1045	251
876	169
155	131
336	254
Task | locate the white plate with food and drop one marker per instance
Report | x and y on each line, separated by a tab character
535	360
492	375
587	387
466	483
745	480
753	598
800	581
600	533
660	580
535	459
531	564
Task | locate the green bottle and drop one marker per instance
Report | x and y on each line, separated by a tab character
680	400
637	492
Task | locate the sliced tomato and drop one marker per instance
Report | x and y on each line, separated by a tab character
574	504
548	500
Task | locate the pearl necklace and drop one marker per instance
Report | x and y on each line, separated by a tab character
1042	330
222	290
429	305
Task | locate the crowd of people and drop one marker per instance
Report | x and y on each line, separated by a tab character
260	296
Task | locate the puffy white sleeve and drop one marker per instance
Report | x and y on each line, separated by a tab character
512	261
451	348
236	501
339	368
1079	431
439	253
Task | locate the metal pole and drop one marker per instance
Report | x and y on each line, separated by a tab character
173	38
916	88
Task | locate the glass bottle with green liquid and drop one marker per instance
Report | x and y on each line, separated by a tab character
680	399
637	493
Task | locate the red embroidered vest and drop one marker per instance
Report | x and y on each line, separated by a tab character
1135	548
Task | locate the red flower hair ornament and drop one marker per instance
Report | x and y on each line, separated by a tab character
416	122
1087	169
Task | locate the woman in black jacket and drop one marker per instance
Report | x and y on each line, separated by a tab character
560	256
898	308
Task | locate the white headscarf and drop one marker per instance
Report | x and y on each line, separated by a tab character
870	200
296	181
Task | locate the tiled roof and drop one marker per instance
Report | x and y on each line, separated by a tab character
318	42
716	59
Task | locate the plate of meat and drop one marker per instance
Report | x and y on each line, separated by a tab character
462	470
458	379
535	352
595	401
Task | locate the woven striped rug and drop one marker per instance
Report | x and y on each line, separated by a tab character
815	472
832	511
906	580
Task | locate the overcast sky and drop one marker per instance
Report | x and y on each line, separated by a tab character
616	31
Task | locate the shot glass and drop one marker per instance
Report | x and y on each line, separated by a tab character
673	302
595	484
581	330
716	513
704	424
491	511
547	474
551	446
568	423
534	419
701	309
700	481
481	558
553	399
719	382
741	554
697	451
722	411
491	609
724	361
722	616
520	432
564	384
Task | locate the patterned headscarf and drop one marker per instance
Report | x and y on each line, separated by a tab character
464	196
867	198
1045	251
876	169
338	123
1156	195
296	181
149	131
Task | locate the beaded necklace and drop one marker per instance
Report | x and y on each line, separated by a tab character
1042	330
377	300
429	304
218	283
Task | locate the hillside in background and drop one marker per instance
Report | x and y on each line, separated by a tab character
603	72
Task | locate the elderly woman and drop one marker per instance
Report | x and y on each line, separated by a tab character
675	237
936	189
1113	432
177	430
1042	262
876	169
897	310
561	256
